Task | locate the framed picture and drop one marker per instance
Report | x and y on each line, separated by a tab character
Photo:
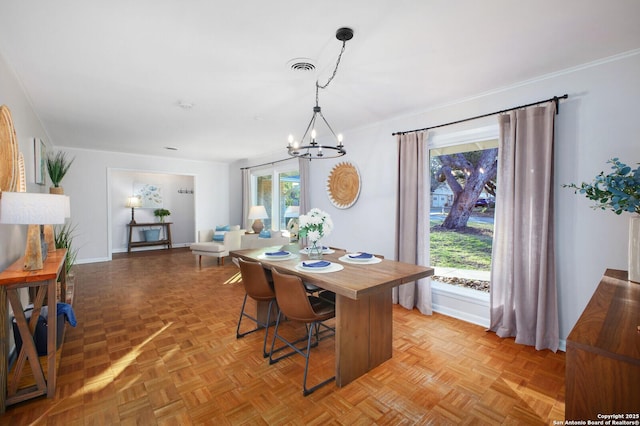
39	163
150	194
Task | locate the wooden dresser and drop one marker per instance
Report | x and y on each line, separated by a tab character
603	353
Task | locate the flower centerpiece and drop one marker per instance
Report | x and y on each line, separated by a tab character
619	192
315	225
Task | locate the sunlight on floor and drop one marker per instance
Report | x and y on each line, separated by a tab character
107	376
236	278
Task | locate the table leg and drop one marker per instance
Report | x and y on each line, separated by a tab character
52	331
4	349
364	334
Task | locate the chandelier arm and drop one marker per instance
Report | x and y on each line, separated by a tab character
329	126
311	125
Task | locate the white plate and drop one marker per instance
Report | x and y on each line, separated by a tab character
371	261
325	251
302	264
334	267
276	258
358	259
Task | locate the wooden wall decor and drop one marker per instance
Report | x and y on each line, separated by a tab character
343	185
9	172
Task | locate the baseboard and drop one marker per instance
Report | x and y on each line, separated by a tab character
93	260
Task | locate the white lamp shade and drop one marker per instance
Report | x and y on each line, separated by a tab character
258	212
25	208
292	211
134	202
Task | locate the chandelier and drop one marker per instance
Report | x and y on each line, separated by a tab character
308	146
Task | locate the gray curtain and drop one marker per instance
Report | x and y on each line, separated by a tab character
246	198
412	218
303	168
523	284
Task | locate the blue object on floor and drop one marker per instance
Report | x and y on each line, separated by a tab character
67	310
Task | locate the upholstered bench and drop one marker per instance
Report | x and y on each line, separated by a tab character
207	246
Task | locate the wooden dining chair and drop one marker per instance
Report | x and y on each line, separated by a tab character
297	305
257	286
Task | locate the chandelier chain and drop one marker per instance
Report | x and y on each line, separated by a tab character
335	70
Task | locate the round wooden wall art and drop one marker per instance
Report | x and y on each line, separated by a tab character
343	185
9	173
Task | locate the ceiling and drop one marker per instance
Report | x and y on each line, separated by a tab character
121	75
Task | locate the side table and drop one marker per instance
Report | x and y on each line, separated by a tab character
44	281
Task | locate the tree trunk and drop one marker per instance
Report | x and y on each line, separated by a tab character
464	198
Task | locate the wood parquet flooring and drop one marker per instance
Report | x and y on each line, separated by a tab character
155	345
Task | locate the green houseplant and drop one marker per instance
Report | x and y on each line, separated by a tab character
619	192
57	166
161	213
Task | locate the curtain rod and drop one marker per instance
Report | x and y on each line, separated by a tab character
555	99
267	163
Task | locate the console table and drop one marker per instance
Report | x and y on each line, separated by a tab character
166	241
44	281
603	353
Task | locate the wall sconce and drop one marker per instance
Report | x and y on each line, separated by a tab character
33	209
135	203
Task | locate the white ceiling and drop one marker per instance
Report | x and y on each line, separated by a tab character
110	75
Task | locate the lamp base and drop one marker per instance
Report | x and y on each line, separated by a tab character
257	226
33	251
49	238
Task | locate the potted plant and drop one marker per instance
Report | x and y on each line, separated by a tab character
161	213
58	165
619	192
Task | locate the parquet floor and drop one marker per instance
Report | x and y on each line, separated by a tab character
155	344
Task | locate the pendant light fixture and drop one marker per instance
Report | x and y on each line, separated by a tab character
308	146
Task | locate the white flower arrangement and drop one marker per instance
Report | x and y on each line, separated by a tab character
315	225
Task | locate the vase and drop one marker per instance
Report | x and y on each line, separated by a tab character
315	251
56	190
634	249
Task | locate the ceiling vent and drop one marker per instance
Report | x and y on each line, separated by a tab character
301	65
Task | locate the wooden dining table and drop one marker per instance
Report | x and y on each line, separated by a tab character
364	321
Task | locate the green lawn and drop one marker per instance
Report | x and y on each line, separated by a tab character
465	249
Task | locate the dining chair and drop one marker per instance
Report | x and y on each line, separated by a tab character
257	286
297	305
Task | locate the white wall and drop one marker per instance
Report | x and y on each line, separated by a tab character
27	126
87	185
180	204
598	121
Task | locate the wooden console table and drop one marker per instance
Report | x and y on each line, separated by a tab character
166	241
44	280
603	353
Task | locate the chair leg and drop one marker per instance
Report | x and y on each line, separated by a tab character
200	260
308	391
259	325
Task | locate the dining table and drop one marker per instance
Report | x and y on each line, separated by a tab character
363	299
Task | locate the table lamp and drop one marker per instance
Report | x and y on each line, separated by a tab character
292	212
33	209
257	213
135	203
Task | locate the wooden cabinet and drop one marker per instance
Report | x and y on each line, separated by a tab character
603	353
164	241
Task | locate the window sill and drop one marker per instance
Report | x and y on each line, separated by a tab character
462	303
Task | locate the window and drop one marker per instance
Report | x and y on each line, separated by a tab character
463	188
279	197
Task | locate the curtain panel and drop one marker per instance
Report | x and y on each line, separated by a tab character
412	218
246	198
523	282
